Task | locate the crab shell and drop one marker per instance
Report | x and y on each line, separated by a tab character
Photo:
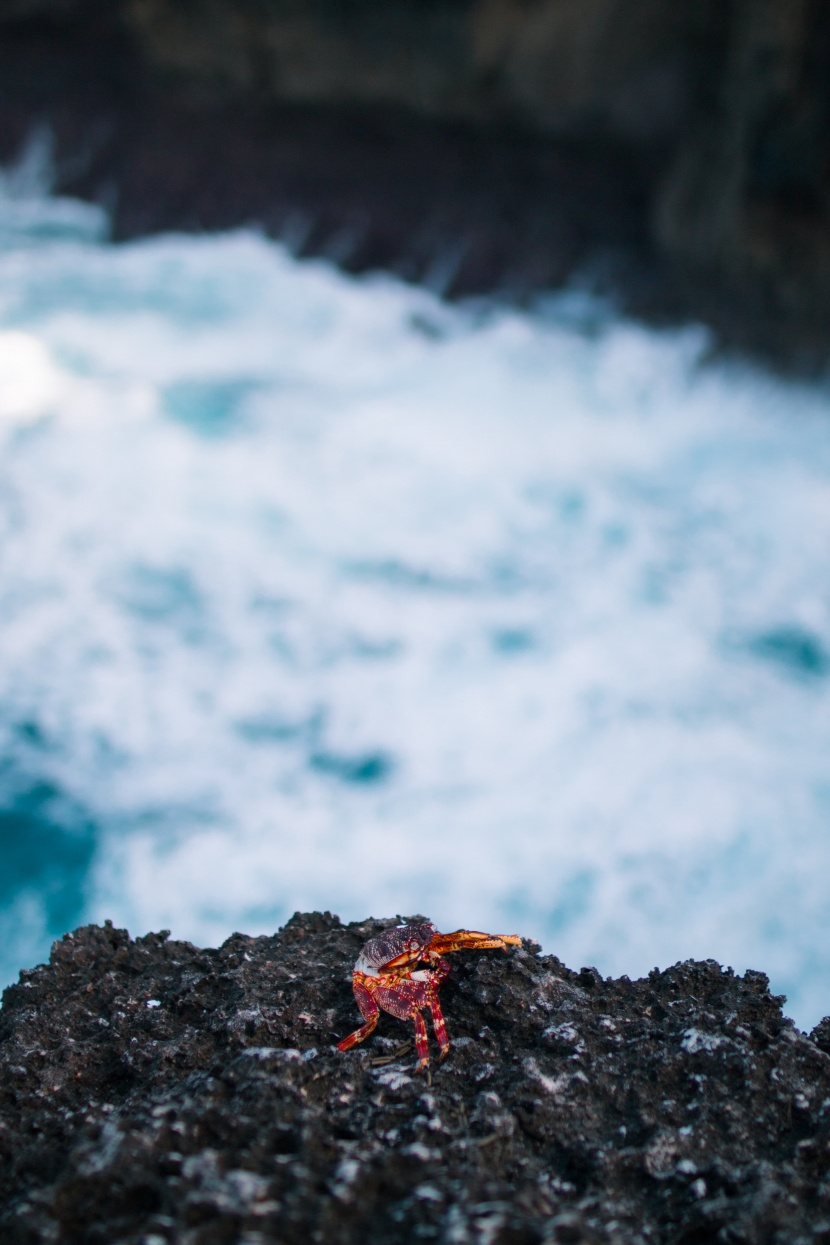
401	940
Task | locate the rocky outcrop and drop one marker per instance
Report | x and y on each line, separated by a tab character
682	148
743	211
637	69
569	67
153	1092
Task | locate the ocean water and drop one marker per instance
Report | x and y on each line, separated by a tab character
315	592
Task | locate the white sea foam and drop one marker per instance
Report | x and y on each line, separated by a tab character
316	593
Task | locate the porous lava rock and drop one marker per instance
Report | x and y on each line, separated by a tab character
153	1092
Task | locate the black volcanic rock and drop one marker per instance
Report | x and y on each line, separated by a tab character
152	1092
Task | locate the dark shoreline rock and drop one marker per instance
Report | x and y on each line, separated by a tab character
465	210
153	1092
674	155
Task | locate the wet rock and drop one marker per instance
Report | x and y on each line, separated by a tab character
674	155
154	1092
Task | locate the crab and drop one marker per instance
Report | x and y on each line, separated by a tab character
386	976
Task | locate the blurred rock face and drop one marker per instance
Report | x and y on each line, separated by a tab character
717	115
748	196
565	66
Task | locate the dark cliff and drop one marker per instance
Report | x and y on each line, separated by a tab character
152	1092
679	151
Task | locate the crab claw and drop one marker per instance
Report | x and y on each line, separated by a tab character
469	939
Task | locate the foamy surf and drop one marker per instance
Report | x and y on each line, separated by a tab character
317	593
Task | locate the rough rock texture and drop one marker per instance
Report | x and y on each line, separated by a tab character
152	1092
683	148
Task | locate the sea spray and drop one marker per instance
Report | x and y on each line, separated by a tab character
315	592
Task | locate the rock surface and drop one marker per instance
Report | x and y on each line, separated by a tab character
681	151
152	1092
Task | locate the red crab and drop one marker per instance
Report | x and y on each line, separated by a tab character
385	976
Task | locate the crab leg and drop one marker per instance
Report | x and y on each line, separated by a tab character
405	1000
421	1044
438	1025
441	969
369	1010
470	939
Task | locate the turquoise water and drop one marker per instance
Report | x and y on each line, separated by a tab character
317	593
